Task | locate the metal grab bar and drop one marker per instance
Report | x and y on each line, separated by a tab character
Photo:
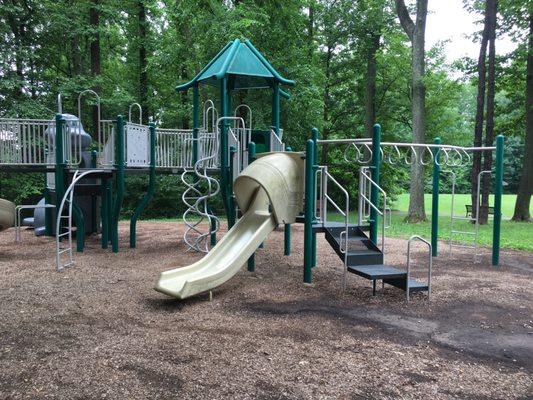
430	263
18	221
140	112
325	176
364	201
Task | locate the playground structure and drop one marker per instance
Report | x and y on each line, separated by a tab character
221	156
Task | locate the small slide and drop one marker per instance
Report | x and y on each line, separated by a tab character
7	214
269	191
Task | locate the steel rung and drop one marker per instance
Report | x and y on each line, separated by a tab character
464	232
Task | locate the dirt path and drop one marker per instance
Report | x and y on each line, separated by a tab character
98	330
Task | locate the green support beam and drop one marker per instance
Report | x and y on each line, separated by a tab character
374	192
105	211
149	193
120	166
251	158
435	200
498	186
309	210
276	107
315	135
287	232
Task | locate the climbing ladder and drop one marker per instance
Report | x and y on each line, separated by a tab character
361	256
64	222
473	218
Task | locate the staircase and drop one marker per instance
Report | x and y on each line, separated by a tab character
360	255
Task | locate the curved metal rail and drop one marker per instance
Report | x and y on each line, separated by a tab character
430	263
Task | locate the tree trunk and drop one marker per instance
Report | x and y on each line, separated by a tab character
416	32
370	84
143	63
521	210
489	129
480	108
325	131
311	28
94	19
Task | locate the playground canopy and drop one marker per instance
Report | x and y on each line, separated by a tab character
243	66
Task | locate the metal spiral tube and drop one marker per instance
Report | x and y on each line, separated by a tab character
197	201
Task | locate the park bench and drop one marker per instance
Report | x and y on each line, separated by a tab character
469	210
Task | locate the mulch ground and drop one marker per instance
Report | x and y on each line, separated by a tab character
99	330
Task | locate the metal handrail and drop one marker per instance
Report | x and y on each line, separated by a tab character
364	200
249	113
325	177
140	112
98	101
430	263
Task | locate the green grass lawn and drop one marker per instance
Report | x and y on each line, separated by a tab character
445	204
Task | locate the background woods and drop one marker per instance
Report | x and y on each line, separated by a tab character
352	61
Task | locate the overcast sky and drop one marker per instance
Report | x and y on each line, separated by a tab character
447	19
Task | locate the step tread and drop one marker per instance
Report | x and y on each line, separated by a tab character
414	285
377	271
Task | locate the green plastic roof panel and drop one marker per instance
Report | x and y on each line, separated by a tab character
244	67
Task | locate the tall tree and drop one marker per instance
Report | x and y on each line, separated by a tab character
143	62
416	31
94	20
523	200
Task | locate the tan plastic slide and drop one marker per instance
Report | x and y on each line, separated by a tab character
7	214
269	191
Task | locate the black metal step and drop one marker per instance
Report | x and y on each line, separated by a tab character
414	285
377	271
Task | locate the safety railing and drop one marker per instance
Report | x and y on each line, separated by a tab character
137	141
275	141
26	141
239	137
106	143
365	184
31	142
324	178
430	264
174	148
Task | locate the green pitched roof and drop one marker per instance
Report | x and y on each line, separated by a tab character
244	66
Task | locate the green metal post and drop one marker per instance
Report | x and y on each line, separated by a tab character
315	135
60	167
105	189
308	212
94	219
276	107
435	200
195	123
48	215
287	233
251	158
149	193
80	227
374	193
225	182
119	165
232	152
498	186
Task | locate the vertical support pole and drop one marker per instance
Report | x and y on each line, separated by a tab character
435	200
233	209
149	193
287	234
225	183
105	188
195	123
309	210
47	211
119	165
276	108
60	162
94	219
498	189
315	135
251	158
374	193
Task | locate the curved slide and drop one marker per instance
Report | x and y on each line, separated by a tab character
269	191
7	214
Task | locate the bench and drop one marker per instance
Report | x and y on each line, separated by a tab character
469	210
